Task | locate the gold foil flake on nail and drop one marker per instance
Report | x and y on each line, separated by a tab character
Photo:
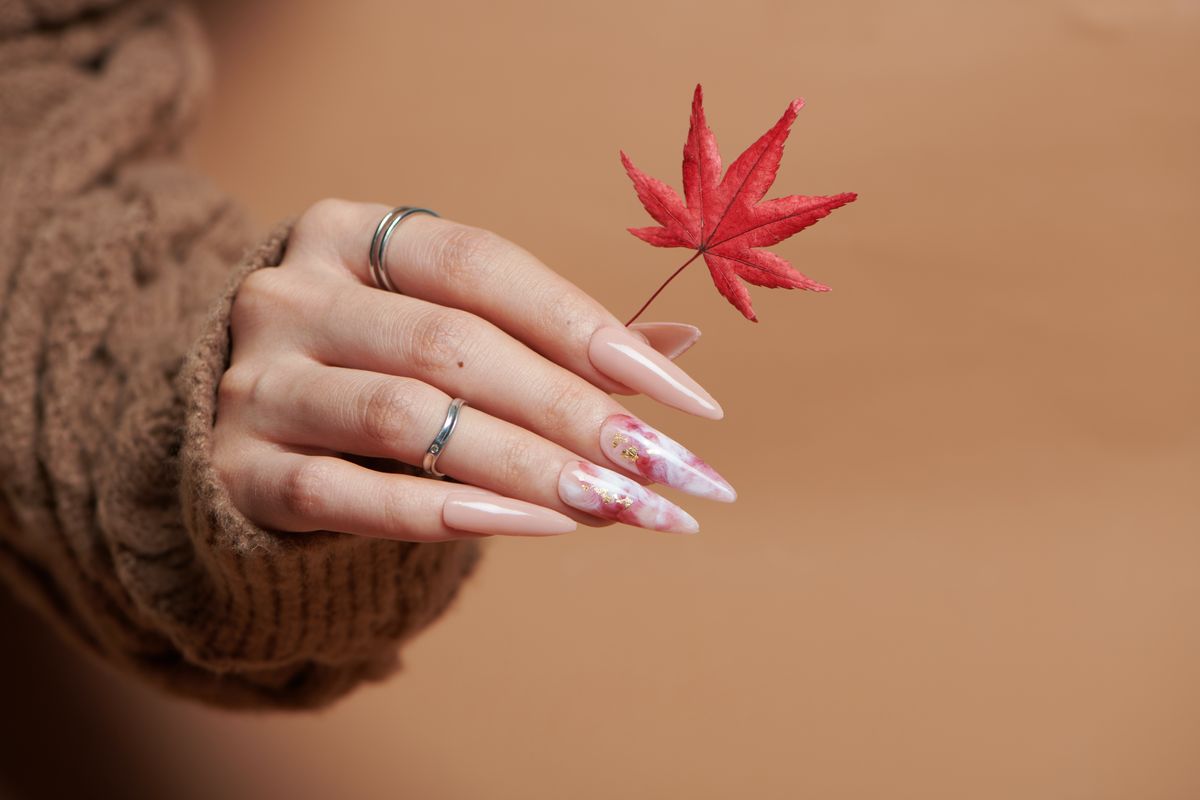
618	439
630	453
608	497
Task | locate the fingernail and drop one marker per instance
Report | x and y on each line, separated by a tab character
628	360
476	512
672	339
634	445
610	495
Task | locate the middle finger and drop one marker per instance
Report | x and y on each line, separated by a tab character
466	356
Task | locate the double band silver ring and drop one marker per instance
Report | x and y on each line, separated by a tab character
377	258
438	445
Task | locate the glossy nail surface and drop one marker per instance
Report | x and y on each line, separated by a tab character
610	495
672	339
474	511
628	360
632	444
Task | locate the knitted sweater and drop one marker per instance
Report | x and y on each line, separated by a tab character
117	271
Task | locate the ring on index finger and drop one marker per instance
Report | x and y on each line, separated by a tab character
379	242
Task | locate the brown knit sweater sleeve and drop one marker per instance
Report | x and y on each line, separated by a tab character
117	271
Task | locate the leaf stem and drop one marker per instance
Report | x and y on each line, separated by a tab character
658	291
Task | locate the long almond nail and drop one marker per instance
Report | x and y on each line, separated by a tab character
628	360
610	495
634	445
473	511
672	339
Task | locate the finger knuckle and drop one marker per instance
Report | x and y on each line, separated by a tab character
305	490
323	217
275	385
261	296
395	509
320	226
281	301
248	304
466	254
237	386
565	409
387	412
442	337
514	463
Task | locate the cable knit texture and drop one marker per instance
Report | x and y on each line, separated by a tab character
118	268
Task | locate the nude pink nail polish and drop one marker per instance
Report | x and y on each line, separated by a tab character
473	511
672	339
610	495
633	445
628	360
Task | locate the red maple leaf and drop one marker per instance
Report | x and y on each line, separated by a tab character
723	219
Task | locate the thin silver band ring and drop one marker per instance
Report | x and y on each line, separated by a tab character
377	257
438	445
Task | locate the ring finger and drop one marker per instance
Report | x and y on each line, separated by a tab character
371	414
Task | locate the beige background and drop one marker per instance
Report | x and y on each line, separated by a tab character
965	561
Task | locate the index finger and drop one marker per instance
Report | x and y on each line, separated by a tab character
469	268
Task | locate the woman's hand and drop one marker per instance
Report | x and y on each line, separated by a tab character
324	364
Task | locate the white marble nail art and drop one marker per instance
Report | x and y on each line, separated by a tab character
610	495
632	444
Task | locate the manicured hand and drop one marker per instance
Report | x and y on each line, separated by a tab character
329	371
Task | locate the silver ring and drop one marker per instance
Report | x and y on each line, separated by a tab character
377	257
438	445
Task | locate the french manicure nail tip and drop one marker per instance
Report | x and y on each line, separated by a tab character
610	495
632	444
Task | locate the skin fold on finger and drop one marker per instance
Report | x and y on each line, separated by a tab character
459	266
378	415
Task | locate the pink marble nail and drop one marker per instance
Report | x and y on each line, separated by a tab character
628	360
472	510
633	445
610	495
672	339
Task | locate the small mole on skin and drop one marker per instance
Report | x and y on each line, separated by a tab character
460	363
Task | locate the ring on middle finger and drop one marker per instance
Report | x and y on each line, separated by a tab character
438	445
